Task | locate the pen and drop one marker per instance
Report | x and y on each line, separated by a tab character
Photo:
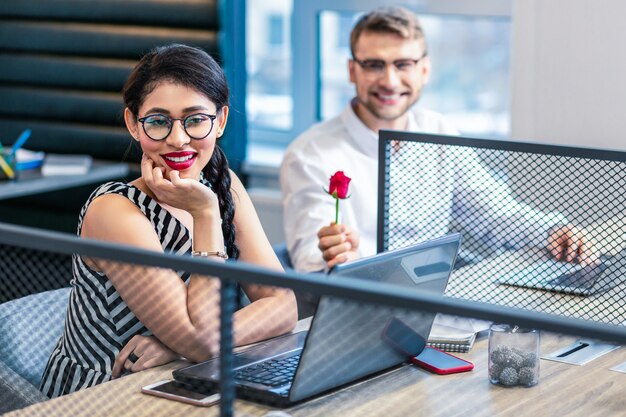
21	140
6	168
581	345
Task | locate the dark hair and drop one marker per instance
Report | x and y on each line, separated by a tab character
193	68
395	20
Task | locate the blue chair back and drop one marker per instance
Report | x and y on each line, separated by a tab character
29	328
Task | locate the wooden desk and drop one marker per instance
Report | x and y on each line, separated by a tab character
31	182
589	390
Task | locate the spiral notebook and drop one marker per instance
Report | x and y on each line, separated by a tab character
451	339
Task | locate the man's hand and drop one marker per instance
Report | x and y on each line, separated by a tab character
142	352
338	243
569	243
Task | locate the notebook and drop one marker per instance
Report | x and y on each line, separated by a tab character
566	277
451	339
344	342
58	164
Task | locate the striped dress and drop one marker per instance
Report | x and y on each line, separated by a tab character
98	322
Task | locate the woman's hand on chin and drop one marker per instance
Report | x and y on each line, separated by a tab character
183	193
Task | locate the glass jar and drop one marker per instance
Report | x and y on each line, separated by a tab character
513	355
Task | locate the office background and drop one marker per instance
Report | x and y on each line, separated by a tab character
540	70
560	78
563	75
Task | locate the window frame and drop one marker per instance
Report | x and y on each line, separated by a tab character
305	59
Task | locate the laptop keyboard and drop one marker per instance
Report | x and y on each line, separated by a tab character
551	274
546	270
273	373
540	272
584	278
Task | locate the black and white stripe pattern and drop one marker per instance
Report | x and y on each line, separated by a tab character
98	322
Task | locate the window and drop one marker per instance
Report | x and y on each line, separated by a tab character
269	100
276	30
469	44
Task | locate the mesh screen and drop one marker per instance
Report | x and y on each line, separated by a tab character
355	351
507	199
95	323
25	271
44	304
33	296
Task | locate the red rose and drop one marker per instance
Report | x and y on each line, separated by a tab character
339	185
338	188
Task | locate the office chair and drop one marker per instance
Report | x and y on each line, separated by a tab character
29	328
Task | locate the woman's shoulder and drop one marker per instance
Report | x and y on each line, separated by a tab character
113	187
111	205
235	182
128	190
237	188
111	195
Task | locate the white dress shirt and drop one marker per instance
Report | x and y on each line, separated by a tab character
345	144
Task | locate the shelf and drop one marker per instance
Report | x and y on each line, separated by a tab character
32	182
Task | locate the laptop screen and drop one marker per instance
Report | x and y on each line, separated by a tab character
345	339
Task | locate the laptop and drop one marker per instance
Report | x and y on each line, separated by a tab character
571	278
344	342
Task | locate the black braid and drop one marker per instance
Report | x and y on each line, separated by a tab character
218	174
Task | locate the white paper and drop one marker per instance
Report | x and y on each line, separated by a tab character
619	368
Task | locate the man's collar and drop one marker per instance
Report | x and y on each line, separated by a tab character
362	136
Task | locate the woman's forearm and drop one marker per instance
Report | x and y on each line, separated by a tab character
203	291
265	318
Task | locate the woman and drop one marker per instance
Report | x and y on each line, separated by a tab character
187	200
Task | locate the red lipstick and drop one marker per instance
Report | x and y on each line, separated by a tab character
179	161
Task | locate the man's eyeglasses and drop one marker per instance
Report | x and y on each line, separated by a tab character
378	66
159	126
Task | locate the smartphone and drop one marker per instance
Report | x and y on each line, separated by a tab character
177	391
441	362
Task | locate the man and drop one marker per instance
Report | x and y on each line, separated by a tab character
389	68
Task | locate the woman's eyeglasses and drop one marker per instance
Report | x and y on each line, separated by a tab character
159	126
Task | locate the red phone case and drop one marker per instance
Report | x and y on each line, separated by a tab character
464	367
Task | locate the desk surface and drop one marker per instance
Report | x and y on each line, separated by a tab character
589	390
32	182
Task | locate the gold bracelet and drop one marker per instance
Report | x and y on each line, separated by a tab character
222	255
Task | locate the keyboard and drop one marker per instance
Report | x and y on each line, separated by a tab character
273	372
559	276
541	272
584	278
